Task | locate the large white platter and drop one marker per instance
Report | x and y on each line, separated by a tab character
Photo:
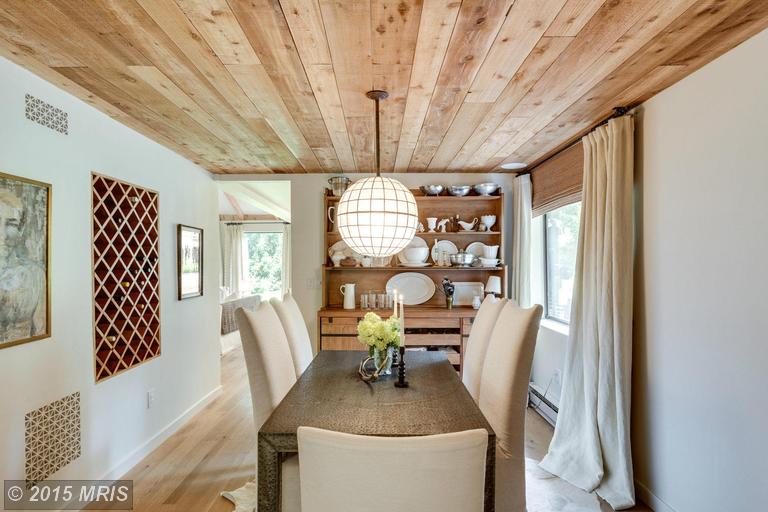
415	288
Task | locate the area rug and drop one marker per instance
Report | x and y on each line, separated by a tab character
244	498
544	493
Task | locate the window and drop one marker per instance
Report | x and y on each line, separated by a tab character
263	263
560	241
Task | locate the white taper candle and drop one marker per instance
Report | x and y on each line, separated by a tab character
394	309
402	322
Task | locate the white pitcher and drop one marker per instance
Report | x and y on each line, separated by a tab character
348	291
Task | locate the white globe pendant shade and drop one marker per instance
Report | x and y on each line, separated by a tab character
377	217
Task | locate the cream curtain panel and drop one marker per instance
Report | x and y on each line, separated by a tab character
286	258
232	257
591	447
521	240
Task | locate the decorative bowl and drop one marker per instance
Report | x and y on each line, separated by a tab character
459	190
486	189
462	259
416	254
489	262
338	185
432	190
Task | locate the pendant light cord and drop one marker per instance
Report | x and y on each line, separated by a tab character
378	140
376	96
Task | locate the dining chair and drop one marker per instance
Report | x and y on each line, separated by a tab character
503	397
270	375
345	472
296	331
477	343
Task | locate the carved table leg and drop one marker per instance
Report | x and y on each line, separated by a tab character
269	477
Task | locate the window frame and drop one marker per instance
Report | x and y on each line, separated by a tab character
545	254
267	227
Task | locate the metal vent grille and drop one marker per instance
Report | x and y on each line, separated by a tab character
46	114
52	437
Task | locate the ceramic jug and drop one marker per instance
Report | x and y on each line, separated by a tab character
348	291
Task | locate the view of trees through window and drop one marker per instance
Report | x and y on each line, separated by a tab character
264	263
562	235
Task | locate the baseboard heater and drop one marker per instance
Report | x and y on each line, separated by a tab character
542	405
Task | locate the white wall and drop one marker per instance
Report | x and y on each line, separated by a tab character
700	414
115	420
307	226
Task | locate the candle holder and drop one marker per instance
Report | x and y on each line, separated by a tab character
401	382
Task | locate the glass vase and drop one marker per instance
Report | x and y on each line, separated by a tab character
384	357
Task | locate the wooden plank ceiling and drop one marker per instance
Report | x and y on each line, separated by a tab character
246	86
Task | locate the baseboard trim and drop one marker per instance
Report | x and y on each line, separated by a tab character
133	458
650	499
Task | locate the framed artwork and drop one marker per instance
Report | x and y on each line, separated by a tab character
25	250
189	246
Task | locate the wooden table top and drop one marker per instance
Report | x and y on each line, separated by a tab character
330	395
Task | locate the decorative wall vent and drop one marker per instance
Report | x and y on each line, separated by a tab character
46	114
52	437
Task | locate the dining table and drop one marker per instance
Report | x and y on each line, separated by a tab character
331	395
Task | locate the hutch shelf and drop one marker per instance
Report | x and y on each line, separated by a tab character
428	326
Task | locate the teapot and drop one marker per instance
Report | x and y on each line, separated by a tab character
468	226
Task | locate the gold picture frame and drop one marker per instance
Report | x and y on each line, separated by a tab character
25	260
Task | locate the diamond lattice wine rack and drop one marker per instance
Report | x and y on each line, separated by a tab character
125	276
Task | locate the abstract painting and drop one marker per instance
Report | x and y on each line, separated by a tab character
25	208
190	261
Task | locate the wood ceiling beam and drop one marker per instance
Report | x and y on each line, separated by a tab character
306	25
267	30
476	27
279	86
437	22
710	31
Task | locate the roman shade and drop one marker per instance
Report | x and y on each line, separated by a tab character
558	181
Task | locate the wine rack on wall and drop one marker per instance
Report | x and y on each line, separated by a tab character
126	283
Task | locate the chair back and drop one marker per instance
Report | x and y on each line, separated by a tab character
296	331
477	344
380	474
504	395
267	357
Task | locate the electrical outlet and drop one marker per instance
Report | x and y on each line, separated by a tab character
557	375
314	284
150	398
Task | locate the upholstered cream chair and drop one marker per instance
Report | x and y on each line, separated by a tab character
271	375
503	398
296	331
477	344
345	472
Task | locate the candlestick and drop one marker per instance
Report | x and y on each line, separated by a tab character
401	382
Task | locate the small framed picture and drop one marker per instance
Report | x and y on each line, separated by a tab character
189	246
25	260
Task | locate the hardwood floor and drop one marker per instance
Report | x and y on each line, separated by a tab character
215	451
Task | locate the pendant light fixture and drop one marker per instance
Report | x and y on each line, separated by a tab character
377	216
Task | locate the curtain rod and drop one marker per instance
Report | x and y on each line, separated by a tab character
256	222
617	112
